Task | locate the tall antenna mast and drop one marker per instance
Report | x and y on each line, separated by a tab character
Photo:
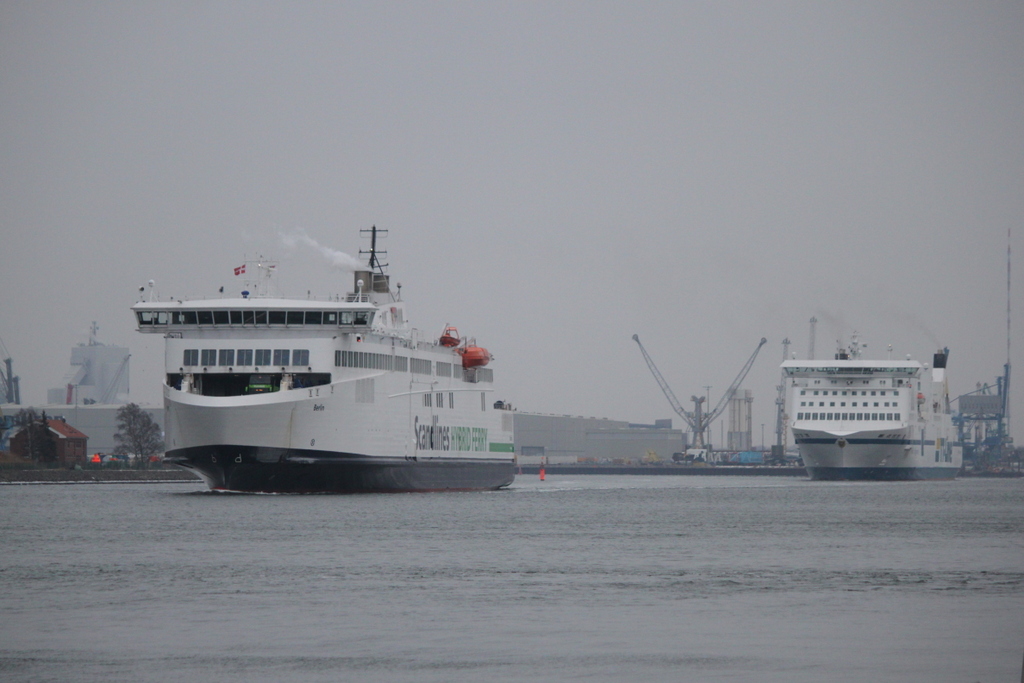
1006	388
374	253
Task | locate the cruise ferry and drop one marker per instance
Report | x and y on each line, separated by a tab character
284	395
872	419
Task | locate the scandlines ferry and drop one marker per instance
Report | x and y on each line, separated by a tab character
871	419
280	395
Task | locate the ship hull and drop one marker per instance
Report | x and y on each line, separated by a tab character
270	470
857	457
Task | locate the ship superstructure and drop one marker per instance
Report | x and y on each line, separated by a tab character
272	394
872	419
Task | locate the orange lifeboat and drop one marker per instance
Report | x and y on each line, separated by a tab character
450	337
474	356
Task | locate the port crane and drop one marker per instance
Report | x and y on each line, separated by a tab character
698	419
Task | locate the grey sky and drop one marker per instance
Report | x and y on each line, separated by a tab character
555	176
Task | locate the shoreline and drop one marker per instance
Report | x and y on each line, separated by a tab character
27	477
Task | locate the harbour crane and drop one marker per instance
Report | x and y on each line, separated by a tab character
698	420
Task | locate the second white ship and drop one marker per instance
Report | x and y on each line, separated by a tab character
872	419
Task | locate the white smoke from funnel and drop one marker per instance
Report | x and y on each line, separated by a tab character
337	259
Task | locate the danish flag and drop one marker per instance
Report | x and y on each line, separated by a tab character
239	270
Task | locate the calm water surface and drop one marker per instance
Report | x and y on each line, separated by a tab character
596	578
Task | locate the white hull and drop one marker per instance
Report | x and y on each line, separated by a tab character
892	454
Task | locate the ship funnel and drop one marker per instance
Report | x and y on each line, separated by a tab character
374	282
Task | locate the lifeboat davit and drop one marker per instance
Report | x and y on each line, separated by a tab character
450	337
474	356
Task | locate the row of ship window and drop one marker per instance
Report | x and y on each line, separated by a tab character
344	359
417	366
874	417
895	392
245	357
842	404
255	318
437	400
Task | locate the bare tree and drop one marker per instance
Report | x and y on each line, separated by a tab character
42	445
137	434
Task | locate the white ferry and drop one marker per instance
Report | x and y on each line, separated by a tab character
267	394
871	419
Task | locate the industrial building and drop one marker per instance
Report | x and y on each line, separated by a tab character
553	439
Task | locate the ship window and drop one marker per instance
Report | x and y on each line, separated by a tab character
896	392
205	317
896	416
821	404
191	357
361	318
832	404
162	318
803	403
860	416
815	393
451	399
244	356
803	392
300	357
330	317
401	364
483	401
873	393
346	317
208	357
842	404
443	369
277	317
419	366
281	357
874	416
427	398
314	317
888	416
883	393
876	404
236	317
260	318
294	317
189	318
262	357
220	317
226	357
440	400
145	317
337	359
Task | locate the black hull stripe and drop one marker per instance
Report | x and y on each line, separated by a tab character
881	473
831	440
276	470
